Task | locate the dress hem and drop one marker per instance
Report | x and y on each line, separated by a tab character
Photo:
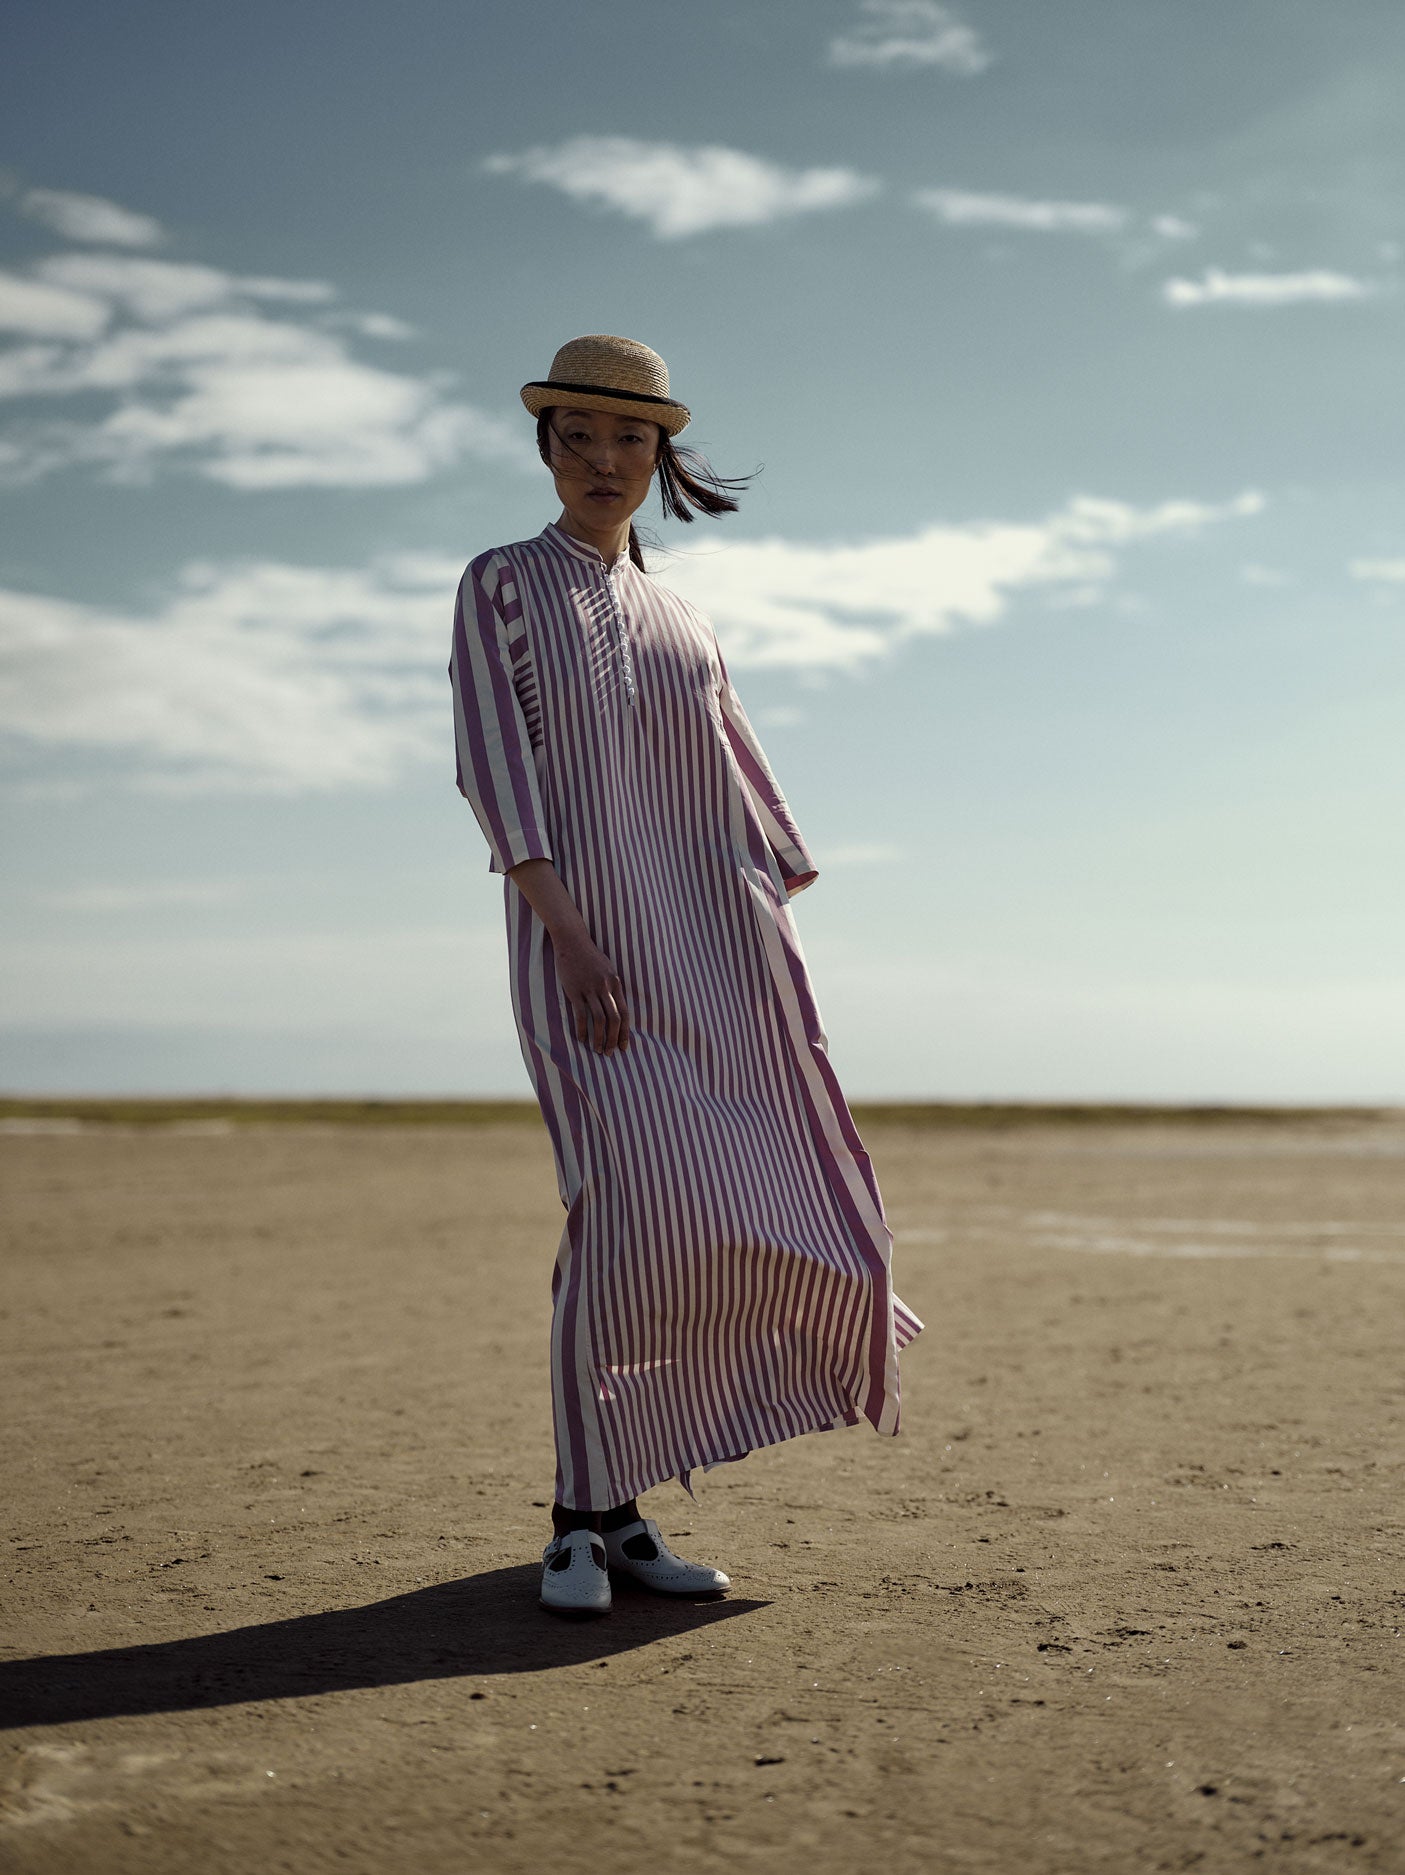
681	1473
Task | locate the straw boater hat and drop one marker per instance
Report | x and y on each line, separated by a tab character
604	373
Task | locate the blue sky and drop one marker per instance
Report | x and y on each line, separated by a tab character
1069	600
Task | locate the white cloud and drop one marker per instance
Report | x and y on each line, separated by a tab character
1265	289
961	208
51	312
377	325
1253	574
269	676
1387	572
783	603
269	405
224	375
265	676
160	290
894	33
90	218
1174	228
682	191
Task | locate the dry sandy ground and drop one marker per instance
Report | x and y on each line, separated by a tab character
1125	1595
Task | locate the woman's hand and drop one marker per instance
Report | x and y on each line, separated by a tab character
592	987
588	978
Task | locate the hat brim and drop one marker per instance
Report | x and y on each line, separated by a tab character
665	411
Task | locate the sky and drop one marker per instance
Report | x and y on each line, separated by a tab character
1068	600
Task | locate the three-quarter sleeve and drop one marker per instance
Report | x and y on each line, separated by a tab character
784	838
496	769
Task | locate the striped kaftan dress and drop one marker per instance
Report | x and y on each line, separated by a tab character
723	1276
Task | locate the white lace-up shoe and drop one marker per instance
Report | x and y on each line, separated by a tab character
575	1580
662	1570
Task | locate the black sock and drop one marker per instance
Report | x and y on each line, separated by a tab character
621	1515
563	1519
641	1548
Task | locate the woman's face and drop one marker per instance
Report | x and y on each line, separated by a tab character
602	464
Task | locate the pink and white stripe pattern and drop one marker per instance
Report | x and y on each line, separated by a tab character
723	1277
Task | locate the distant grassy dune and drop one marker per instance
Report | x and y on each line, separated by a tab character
158	1111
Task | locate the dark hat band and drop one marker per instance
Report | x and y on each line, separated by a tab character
603	390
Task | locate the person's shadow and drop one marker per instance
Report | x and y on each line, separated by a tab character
488	1623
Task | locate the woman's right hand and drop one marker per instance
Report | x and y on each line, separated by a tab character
592	987
588	978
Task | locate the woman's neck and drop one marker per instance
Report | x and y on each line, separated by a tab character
609	541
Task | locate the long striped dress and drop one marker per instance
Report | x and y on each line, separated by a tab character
722	1281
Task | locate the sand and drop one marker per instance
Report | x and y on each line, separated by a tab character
1125	1594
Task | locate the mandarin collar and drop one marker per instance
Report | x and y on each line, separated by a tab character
581	551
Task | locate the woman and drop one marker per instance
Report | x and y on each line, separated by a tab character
722	1281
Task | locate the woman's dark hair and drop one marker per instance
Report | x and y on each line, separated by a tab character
687	481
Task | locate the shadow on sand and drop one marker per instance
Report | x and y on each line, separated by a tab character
489	1623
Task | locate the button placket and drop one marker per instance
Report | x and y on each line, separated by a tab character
621	634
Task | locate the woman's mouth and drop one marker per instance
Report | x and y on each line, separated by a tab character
604	494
